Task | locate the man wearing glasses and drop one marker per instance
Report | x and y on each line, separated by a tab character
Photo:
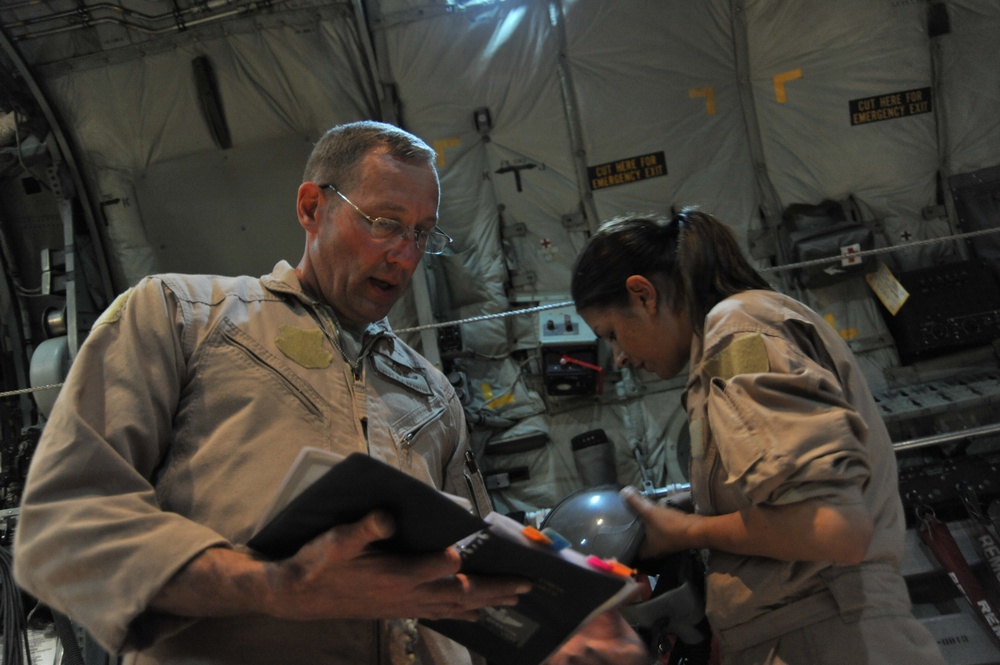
191	398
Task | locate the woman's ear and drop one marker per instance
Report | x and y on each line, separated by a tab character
642	292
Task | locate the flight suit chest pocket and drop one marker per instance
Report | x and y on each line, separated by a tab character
414	427
411	409
269	374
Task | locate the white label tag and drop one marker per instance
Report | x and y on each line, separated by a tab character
887	288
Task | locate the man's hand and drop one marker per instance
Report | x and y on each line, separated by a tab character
607	640
336	575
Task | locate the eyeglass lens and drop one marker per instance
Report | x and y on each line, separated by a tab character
432	242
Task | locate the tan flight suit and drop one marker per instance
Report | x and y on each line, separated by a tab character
779	413
181	415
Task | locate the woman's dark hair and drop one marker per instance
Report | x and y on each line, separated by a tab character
692	258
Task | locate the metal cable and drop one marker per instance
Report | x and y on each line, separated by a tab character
22	391
484	317
566	303
878	250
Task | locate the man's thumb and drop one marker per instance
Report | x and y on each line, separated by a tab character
378	525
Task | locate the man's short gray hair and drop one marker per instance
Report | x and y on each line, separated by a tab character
336	156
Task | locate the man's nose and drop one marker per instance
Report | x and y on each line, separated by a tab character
404	250
621	358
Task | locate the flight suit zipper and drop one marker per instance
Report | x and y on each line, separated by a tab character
261	362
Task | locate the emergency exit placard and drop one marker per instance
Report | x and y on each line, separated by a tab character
890	106
630	169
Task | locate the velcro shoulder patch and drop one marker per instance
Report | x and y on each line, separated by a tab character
114	312
744	355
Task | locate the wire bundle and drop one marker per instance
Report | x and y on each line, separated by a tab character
14	623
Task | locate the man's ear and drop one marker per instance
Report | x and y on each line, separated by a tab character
307	205
642	292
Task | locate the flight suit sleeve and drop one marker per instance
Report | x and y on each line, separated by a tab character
93	541
784	430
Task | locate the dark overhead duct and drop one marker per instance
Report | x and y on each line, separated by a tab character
211	102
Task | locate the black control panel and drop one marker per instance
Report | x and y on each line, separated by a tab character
938	484
951	306
571	370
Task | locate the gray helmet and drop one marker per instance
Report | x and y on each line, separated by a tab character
597	521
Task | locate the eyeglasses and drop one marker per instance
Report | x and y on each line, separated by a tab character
432	242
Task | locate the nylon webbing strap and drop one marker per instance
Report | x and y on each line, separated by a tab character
986	537
938	538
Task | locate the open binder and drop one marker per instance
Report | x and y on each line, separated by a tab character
323	490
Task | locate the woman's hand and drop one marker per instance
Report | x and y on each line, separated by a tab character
667	529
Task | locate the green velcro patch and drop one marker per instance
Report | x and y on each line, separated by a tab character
745	355
304	347
114	312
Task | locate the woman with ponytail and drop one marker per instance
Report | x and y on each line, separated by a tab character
793	474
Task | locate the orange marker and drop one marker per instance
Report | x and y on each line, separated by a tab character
533	534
